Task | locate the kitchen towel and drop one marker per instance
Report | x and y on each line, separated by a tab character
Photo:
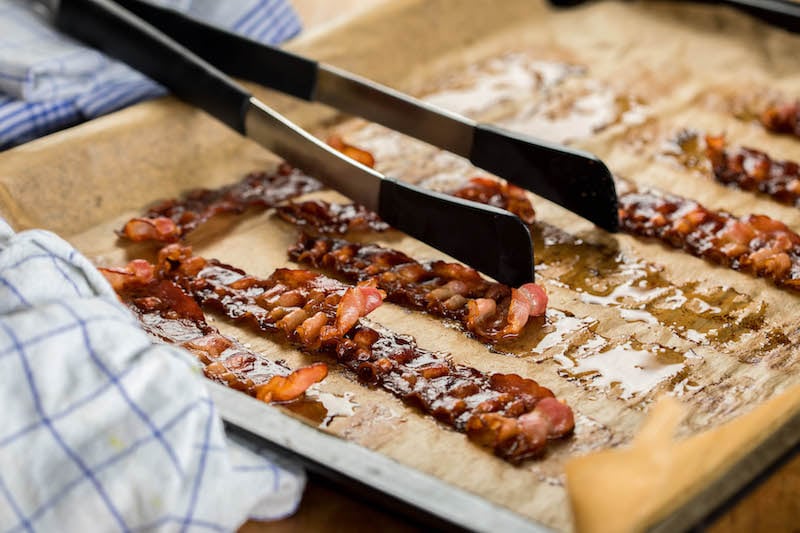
49	81
102	429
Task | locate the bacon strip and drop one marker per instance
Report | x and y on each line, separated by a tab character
490	310
168	314
172	219
782	117
500	194
753	170
307	308
756	244
512	415
326	217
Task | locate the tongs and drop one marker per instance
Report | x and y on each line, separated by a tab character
571	178
488	239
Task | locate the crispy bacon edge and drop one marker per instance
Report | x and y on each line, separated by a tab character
512	415
490	310
168	314
331	218
753	170
782	117
498	193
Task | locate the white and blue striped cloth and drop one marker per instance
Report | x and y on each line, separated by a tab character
49	82
102	430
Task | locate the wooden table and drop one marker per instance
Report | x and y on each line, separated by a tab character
774	506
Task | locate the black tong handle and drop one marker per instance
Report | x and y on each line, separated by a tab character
110	28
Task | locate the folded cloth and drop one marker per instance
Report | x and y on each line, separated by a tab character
48	81
102	429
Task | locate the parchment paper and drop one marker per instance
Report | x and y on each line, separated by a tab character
668	66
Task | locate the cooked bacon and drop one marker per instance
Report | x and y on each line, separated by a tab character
326	217
490	310
161	229
288	388
353	152
753	170
136	272
306	308
500	194
512	415
334	218
172	219
756	244
782	117
168	314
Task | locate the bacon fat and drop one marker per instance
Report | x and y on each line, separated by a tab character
755	244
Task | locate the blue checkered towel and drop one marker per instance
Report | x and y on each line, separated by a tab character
101	429
49	82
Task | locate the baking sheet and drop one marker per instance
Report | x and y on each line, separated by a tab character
667	66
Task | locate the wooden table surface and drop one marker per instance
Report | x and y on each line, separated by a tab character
774	506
